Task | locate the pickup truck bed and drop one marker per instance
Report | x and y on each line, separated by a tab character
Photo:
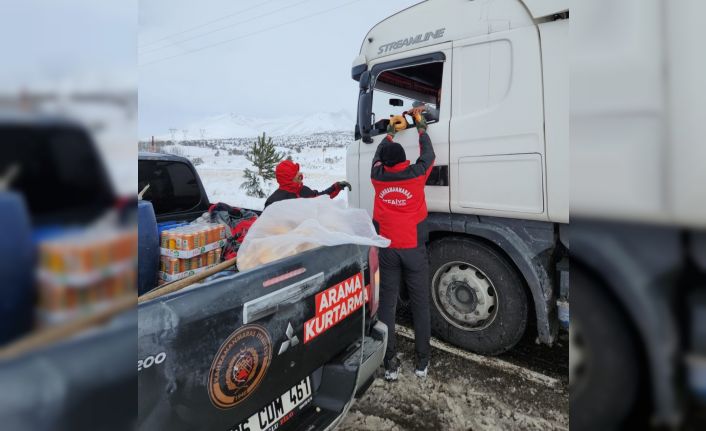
194	334
286	345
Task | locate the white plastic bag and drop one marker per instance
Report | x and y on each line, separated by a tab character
292	226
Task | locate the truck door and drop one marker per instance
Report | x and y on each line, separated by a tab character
419	76
497	126
254	351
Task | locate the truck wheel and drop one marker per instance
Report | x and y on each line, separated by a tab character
479	301
603	371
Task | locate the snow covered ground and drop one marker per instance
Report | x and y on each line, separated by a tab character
460	394
221	162
217	145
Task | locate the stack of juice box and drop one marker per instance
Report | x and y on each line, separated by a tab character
187	250
84	272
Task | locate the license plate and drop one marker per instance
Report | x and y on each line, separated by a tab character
279	411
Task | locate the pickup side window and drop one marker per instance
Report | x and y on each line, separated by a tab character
418	85
60	173
173	186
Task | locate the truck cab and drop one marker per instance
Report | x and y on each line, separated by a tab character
498	81
493	77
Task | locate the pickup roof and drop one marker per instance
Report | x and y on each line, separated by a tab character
283	346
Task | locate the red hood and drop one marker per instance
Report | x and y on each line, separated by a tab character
285	173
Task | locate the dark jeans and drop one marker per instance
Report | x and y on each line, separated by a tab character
410	265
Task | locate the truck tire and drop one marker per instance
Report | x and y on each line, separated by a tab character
478	300
603	363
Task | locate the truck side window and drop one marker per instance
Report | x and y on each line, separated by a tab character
173	186
415	85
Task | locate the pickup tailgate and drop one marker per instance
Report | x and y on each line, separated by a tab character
253	350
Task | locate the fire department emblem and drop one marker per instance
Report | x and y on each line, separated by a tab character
239	366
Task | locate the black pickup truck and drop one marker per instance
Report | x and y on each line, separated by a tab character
287	345
86	381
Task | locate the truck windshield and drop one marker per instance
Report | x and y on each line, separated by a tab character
415	86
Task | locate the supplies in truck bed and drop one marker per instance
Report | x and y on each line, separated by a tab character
237	220
292	226
84	271
187	250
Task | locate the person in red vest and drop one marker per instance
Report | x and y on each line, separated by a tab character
291	184
399	214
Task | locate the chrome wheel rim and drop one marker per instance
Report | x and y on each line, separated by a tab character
465	296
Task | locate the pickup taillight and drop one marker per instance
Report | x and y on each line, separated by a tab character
374	267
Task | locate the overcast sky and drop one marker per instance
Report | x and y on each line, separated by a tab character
68	44
263	58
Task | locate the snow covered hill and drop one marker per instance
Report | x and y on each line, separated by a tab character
221	162
240	126
217	146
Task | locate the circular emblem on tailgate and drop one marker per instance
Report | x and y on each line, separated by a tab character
239	366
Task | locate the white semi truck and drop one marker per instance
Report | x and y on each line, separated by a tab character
493	75
638	213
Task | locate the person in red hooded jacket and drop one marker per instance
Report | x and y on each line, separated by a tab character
291	184
400	213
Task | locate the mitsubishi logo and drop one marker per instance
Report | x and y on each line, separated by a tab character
292	339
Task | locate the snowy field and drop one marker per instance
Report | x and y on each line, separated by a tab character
220	163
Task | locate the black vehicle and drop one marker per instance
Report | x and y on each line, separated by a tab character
81	382
287	345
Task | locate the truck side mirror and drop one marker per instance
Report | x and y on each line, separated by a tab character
365	116
365	108
396	102
364	82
